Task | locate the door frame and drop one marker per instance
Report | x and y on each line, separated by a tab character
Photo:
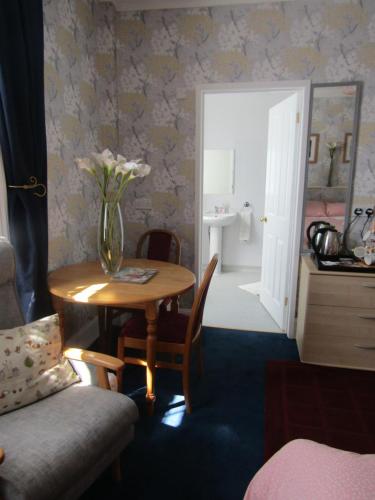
302	88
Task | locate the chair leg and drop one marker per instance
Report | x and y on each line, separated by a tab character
186	385
119	380
120	355
116	470
120	347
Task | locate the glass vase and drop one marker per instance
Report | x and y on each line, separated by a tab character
110	237
332	165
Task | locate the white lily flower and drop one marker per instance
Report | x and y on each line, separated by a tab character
141	170
122	168
85	164
112	174
131	165
121	159
105	159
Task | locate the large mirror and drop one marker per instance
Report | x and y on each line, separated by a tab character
333	131
218	171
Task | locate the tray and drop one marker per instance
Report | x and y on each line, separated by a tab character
357	266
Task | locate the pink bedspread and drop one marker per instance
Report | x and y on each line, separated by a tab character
305	470
324	208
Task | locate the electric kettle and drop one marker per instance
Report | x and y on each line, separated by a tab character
314	227
326	243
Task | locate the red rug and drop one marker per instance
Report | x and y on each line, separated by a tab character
333	406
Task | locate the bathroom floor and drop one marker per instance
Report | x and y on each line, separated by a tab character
228	306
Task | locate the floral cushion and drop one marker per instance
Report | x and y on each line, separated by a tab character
31	364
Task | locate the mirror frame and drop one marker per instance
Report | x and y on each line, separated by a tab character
353	159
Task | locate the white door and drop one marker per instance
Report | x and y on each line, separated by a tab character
281	171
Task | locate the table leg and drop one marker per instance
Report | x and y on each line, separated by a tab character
58	305
105	329
152	319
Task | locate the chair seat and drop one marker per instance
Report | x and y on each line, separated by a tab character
172	327
56	447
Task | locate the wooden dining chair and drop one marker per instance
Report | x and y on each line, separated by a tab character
177	334
161	243
164	245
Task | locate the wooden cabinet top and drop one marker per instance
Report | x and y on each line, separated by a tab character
311	266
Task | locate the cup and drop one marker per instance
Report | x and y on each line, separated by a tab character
359	252
369	259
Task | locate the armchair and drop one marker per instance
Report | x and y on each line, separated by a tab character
57	446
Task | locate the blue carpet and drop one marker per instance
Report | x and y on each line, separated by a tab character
213	453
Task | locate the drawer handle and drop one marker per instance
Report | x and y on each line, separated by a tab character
367	347
366	316
368	285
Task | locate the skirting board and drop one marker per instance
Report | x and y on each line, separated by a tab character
240	269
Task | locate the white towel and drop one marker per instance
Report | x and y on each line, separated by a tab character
245	224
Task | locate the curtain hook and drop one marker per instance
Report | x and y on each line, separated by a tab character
33	184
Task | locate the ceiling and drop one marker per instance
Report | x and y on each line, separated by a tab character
126	5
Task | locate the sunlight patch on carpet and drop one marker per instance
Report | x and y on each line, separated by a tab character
174	416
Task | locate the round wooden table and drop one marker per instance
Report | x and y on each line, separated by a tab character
87	283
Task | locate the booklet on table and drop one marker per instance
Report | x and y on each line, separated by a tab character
134	275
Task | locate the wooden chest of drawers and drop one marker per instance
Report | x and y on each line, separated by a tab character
336	317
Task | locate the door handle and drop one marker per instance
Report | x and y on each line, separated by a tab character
368	285
367	347
263	219
366	316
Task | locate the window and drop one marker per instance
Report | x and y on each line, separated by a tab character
4	227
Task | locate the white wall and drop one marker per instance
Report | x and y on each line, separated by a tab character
239	121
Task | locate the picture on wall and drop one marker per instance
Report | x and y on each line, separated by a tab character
313	148
347	149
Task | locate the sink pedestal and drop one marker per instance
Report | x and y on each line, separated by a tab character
216	223
216	237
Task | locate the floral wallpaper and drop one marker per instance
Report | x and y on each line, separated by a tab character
332	118
127	81
80	117
81	105
163	55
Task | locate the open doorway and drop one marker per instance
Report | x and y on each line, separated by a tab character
252	150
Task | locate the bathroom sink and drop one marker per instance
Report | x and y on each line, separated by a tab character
216	223
219	220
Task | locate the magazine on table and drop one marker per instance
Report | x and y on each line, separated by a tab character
134	275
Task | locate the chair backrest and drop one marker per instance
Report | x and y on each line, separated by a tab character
10	309
196	315
160	244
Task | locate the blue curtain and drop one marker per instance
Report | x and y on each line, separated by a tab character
23	146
